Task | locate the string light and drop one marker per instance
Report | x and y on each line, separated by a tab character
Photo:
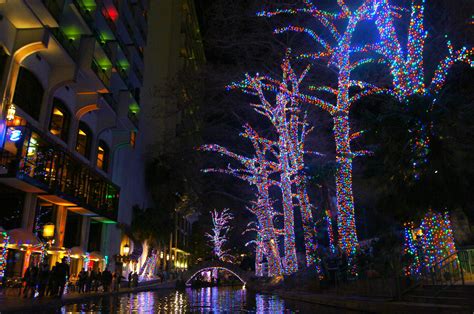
256	171
430	244
220	230
4	254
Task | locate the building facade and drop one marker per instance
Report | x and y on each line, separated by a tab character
174	48
70	132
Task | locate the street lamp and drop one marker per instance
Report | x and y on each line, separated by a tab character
126	249
48	231
48	235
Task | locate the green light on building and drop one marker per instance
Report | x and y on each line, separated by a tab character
134	108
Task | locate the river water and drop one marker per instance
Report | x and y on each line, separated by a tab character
204	300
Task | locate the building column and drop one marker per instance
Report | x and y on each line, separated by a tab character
29	211
60	226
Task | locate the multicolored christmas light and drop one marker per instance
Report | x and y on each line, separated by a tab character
430	244
332	244
437	239
338	52
407	68
4	253
219	236
289	122
410	249
256	171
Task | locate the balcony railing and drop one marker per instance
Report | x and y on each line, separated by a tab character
85	12
101	73
68	44
48	166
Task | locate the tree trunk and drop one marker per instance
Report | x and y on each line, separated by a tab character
345	200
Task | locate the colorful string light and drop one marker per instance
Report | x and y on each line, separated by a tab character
219	236
429	245
256	171
338	51
4	254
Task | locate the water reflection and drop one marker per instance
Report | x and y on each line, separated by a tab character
205	300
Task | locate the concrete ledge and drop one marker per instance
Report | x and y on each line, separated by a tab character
370	304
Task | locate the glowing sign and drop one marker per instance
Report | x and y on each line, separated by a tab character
15	135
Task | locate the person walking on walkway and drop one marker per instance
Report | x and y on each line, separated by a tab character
62	273
43	277
106	279
82	280
29	280
130	275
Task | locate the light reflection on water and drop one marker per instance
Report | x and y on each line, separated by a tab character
204	300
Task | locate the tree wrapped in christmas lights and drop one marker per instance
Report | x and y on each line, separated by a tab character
430	244
289	123
259	247
406	64
437	239
256	171
411	251
338	52
219	236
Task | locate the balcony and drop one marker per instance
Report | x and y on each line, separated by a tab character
110	100
33	162
68	44
100	72
55	7
86	12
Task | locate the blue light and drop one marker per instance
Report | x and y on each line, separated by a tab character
15	135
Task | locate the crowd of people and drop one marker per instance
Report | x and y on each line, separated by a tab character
40	281
45	281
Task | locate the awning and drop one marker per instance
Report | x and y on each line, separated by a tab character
96	256
20	236
77	250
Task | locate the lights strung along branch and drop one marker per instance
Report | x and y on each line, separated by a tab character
219	236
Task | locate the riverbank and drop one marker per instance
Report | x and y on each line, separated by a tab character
14	304
368	305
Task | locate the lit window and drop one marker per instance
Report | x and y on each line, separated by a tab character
83	141
102	156
59	124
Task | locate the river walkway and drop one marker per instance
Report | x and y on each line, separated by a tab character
18	304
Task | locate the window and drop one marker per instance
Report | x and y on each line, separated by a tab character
28	93
60	117
102	156
83	140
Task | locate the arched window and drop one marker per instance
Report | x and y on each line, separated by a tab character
60	120
28	93
102	156
83	140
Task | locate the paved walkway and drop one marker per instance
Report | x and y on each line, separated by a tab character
19	304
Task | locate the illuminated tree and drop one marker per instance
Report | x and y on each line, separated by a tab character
256	171
290	127
407	69
338	53
219	236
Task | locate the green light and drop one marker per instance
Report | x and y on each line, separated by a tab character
134	108
89	4
71	32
